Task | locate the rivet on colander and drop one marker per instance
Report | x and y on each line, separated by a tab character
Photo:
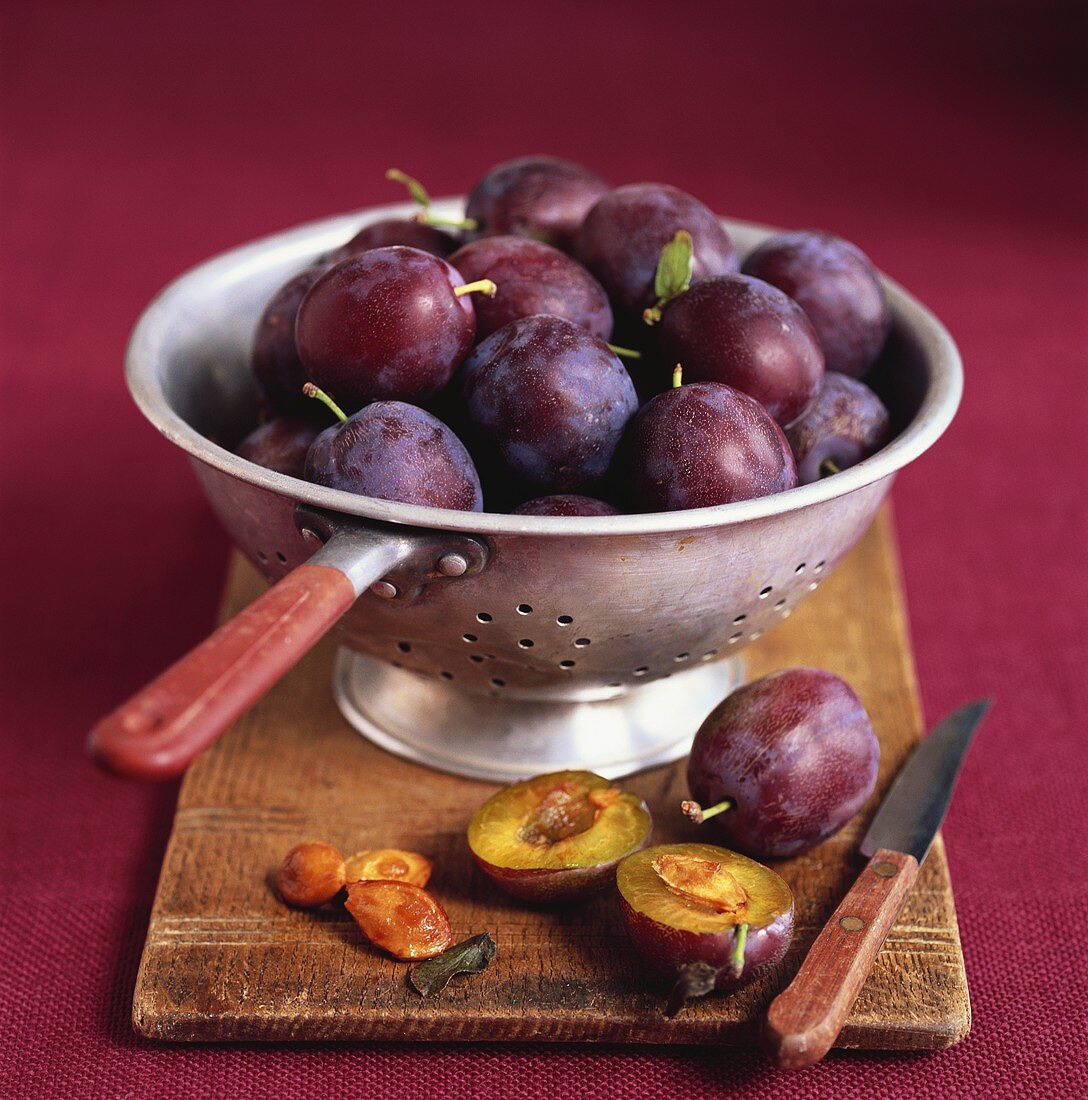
564	620
386	590
452	565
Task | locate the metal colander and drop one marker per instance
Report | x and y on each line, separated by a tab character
491	645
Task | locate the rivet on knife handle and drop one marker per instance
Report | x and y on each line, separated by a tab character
806	1017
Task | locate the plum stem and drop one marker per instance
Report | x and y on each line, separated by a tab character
626	353
677	376
420	196
692	980
483	286
310	390
828	467
696	813
736	956
427	218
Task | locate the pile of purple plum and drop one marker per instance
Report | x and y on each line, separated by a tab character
470	360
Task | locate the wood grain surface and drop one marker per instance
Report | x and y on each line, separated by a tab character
226	960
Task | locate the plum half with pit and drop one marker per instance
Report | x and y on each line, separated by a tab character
783	763
545	198
274	360
749	335
705	917
836	284
845	424
532	278
390	323
281	444
551	399
566	504
394	451
703	444
622	238
557	837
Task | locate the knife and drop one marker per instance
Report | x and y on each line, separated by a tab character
807	1016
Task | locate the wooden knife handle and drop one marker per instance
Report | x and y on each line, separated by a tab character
807	1016
164	726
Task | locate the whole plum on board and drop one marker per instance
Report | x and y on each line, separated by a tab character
845	424
395	451
703	444
557	837
280	444
396	231
274	360
389	323
835	283
704	916
622	238
566	504
551	399
749	335
532	278
783	763
544	198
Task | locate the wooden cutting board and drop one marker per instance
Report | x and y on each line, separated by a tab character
225	960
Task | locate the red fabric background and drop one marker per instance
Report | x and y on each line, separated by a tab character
140	138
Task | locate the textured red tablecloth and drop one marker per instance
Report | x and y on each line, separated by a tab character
140	138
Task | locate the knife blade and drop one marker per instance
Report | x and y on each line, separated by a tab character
806	1017
915	805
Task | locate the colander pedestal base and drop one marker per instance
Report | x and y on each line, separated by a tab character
501	739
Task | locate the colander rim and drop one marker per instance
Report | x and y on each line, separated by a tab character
147	357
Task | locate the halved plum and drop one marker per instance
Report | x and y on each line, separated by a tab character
704	916
557	837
